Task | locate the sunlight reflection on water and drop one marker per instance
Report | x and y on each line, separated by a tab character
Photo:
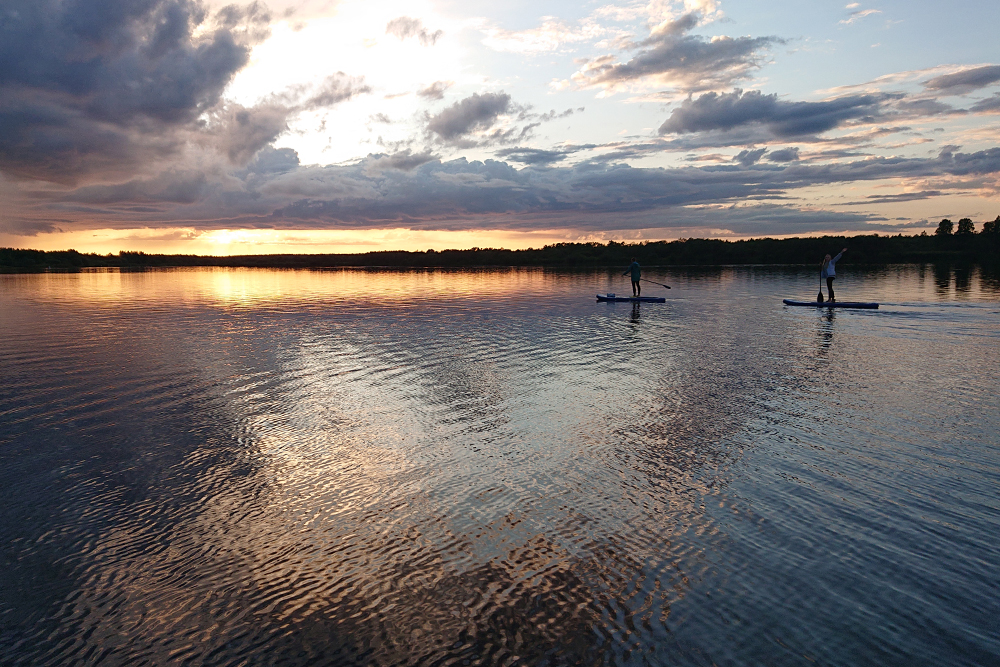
385	467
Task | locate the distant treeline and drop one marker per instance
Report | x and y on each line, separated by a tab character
966	247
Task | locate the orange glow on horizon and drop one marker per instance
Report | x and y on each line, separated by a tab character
227	242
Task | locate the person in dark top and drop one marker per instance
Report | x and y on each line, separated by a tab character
636	272
829	271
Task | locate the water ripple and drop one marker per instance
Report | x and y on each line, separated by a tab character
439	467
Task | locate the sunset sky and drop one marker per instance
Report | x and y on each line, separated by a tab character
346	126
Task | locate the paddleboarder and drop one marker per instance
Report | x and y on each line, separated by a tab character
829	271
636	277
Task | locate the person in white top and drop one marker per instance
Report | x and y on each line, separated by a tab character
829	271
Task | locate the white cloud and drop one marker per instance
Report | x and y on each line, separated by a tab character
858	15
551	35
554	34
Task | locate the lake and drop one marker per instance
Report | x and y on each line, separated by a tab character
362	467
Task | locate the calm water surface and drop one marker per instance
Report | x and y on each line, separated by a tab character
223	467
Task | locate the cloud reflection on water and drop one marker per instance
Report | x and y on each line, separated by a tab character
398	467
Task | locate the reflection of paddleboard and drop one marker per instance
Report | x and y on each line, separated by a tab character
835	304
634	299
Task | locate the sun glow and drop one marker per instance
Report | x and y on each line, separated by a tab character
226	242
355	41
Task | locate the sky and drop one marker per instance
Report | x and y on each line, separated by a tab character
349	126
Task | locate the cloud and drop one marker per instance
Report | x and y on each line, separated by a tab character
537	156
405	160
860	14
980	162
419	191
551	35
894	199
923	108
103	87
833	154
749	157
172	186
335	89
555	115
671	56
474	112
405	27
784	155
989	105
965	81
435	91
273	161
728	111
239	132
474	121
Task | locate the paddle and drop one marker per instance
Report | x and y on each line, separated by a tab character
655	283
819	297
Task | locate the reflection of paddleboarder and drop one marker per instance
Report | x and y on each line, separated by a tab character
636	276
829	271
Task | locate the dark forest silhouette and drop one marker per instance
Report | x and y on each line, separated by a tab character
945	245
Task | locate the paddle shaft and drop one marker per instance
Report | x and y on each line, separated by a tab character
645	280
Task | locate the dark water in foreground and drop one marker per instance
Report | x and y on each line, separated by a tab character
227	467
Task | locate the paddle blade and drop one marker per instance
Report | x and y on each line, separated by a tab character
819	297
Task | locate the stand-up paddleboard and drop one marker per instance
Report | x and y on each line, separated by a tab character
633	299
833	304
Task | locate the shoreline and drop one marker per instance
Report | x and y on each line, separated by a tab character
981	248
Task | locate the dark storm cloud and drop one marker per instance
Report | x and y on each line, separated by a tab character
404	27
179	187
435	91
727	111
91	85
476	112
459	195
419	191
461	190
690	61
965	81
